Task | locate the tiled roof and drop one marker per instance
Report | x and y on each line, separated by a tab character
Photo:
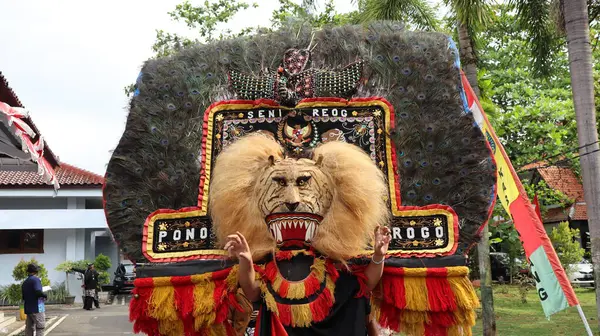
580	212
564	180
556	215
66	174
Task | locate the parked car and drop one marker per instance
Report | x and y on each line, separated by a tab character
582	274
124	277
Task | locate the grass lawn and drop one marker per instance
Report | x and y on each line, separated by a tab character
514	318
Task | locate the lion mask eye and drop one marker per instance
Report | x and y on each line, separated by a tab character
280	180
302	180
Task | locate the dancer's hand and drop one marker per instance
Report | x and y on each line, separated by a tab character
382	241
237	247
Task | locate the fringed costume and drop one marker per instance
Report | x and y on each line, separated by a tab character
304	142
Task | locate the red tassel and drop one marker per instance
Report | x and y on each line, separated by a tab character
219	297
360	275
283	289
138	307
285	314
184	301
311	285
435	330
284	255
332	271
389	316
393	290
443	319
320	307
271	271
440	295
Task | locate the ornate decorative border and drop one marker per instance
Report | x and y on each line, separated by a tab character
148	238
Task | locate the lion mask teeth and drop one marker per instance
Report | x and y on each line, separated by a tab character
293	228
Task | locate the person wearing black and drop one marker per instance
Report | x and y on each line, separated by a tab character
34	298
90	286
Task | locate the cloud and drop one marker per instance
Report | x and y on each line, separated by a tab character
68	61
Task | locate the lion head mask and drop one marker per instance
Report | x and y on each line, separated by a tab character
332	201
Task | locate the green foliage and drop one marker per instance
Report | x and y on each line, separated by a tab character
289	11
203	19
11	294
102	263
20	271
567	247
415	13
58	293
546	195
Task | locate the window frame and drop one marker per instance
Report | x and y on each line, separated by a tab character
22	250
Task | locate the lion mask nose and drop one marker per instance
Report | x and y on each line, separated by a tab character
292	206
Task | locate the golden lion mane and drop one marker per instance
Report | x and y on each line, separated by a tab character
358	205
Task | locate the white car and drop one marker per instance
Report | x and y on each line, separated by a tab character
582	274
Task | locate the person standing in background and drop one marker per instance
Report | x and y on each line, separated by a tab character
34	298
90	286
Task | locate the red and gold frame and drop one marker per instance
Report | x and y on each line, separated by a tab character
385	158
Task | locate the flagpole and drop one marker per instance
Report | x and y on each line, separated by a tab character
585	322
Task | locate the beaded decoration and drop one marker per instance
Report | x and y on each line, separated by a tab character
292	82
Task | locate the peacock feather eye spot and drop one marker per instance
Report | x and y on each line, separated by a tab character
418	184
172	72
421	96
437	164
124	203
209	75
192	156
167	86
396	59
436	181
164	142
140	202
372	37
411	194
401	89
153	129
225	60
139	170
188	104
429	78
401	154
406	71
429	129
428	197
407	163
379	58
424	163
180	93
403	115
171	106
195	92
161	163
463	172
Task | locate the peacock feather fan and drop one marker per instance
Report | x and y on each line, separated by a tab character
442	156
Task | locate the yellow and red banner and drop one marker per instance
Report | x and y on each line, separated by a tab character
552	283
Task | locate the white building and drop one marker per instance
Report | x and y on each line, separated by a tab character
36	220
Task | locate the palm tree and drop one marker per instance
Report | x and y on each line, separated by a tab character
573	20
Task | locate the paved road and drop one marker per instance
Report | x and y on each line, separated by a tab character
108	320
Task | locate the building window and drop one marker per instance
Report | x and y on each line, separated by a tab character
21	241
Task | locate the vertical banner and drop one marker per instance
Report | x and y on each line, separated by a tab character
553	286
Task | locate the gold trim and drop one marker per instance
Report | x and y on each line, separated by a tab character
182	254
426	212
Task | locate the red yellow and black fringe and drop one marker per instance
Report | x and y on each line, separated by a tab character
195	305
426	301
300	315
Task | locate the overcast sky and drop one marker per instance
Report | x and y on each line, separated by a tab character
69	60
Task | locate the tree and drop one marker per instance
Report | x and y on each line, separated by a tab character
567	247
573	22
